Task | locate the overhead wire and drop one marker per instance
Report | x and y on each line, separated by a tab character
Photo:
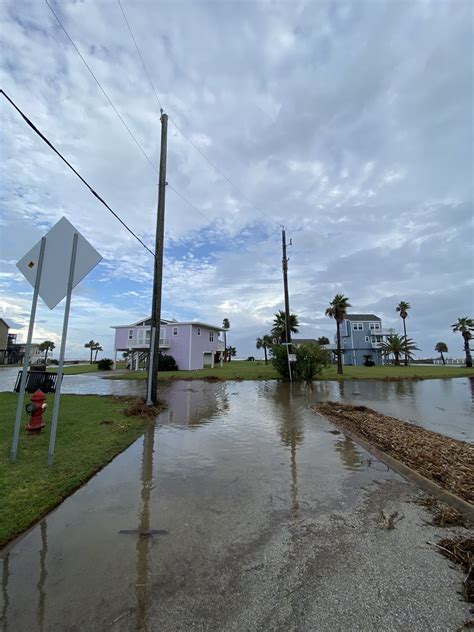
83	180
183	133
137	143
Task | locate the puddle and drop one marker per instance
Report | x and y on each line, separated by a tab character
168	511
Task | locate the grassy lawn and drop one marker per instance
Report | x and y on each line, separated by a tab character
258	371
76	369
91	431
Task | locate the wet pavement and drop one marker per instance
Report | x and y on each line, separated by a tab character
265	518
445	406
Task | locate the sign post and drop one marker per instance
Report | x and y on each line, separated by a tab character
26	359
45	267
57	395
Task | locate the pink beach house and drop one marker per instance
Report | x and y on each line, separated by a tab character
193	345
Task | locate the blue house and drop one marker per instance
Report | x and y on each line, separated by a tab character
361	336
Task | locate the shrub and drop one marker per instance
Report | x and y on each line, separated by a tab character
167	363
105	364
310	360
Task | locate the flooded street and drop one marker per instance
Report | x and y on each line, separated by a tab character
445	406
241	510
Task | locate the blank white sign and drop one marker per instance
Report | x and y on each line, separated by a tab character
56	262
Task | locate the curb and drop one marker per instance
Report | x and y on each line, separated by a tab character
409	474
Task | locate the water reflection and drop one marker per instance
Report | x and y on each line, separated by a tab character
194	403
290	429
143	541
349	453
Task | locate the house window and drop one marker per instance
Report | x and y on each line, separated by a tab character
130	334
374	326
373	339
175	331
357	326
199	331
211	336
148	334
367	339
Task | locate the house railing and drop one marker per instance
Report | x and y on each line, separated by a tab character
144	343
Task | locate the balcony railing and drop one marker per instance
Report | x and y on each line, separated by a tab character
144	343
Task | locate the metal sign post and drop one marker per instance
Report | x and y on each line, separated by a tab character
45	267
26	360
57	395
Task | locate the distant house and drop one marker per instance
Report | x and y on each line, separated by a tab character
11	351
193	345
361	337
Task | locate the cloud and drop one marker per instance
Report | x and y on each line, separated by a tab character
351	126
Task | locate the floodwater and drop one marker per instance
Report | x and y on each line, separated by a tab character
252	498
445	406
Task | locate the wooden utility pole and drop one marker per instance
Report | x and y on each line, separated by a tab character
284	263
152	381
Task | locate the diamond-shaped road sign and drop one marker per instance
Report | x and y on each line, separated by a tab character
57	256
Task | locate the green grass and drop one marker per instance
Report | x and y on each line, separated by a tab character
29	488
258	371
76	369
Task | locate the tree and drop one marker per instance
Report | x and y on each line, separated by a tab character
279	326
403	308
97	348
225	327
397	345
465	326
91	345
310	359
46	346
264	343
323	340
441	347
338	310
231	353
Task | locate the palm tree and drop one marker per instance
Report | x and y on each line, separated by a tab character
279	326
397	345
442	347
264	343
225	327
90	345
231	353
322	341
466	327
338	310
47	345
97	348
403	308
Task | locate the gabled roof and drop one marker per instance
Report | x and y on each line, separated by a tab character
362	317
2	320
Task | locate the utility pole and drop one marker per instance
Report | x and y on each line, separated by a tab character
154	355
284	263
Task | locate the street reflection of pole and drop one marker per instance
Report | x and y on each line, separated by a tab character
43	575
143	542
5	578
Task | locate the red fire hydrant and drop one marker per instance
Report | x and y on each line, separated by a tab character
35	408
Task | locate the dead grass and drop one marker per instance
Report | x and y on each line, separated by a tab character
137	408
443	515
461	551
448	462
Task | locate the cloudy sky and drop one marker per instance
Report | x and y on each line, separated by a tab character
348	122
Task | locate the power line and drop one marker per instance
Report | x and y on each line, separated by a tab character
206	158
140	55
50	144
101	88
191	205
